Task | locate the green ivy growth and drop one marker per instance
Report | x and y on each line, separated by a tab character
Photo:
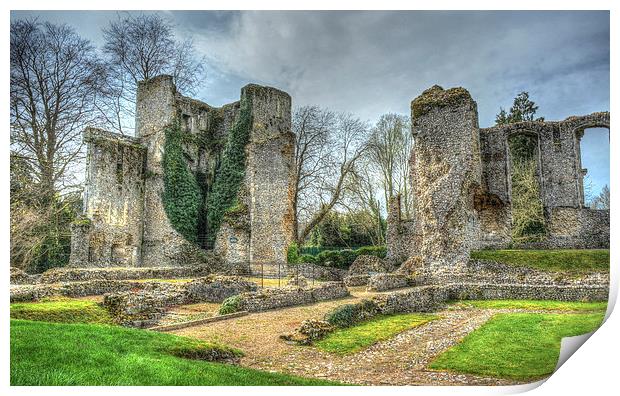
230	174
182	194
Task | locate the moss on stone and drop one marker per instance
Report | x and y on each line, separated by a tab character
82	221
436	96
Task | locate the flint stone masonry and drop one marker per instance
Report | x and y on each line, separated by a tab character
145	307
575	228
356	280
72	289
120	273
318	272
461	181
367	264
446	174
217	288
20	277
209	289
490	272
430	298
272	298
382	282
124	222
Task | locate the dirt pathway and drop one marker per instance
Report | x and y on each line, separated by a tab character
401	360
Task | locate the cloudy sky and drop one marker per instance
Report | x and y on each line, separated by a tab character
370	63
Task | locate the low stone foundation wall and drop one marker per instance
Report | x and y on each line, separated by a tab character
318	272
207	289
19	277
23	293
382	282
66	274
528	292
216	288
418	299
430	298
329	291
144	308
271	298
481	271
356	280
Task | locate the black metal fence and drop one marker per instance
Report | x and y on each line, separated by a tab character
279	274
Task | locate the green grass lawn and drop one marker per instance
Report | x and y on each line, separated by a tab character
355	338
89	354
576	261
516	346
534	305
63	310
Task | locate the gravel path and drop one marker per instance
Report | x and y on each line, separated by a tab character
401	360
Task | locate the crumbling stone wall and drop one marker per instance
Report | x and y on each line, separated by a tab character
110	232
126	224
402	236
446	174
262	231
461	176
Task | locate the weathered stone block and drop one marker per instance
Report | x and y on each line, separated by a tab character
382	282
356	280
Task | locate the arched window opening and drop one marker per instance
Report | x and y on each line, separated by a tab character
594	167
528	220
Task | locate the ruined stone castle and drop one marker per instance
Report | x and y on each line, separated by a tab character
157	199
128	222
461	181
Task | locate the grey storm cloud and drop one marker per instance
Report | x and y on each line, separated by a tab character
373	62
370	63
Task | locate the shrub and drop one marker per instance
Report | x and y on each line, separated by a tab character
292	253
334	258
230	305
307	258
198	350
379	251
349	314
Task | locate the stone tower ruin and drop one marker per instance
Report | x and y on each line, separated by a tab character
135	186
461	181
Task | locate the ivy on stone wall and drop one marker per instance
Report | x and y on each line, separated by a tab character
182	194
230	174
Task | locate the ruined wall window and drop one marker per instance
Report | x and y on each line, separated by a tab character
187	123
593	167
528	221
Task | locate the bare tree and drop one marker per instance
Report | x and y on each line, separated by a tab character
54	77
53	85
327	149
389	148
602	200
138	48
313	158
361	195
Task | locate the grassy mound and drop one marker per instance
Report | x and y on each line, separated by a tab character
534	305
355	338
87	354
577	261
517	346
61	310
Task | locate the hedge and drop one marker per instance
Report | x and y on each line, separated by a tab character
334	258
